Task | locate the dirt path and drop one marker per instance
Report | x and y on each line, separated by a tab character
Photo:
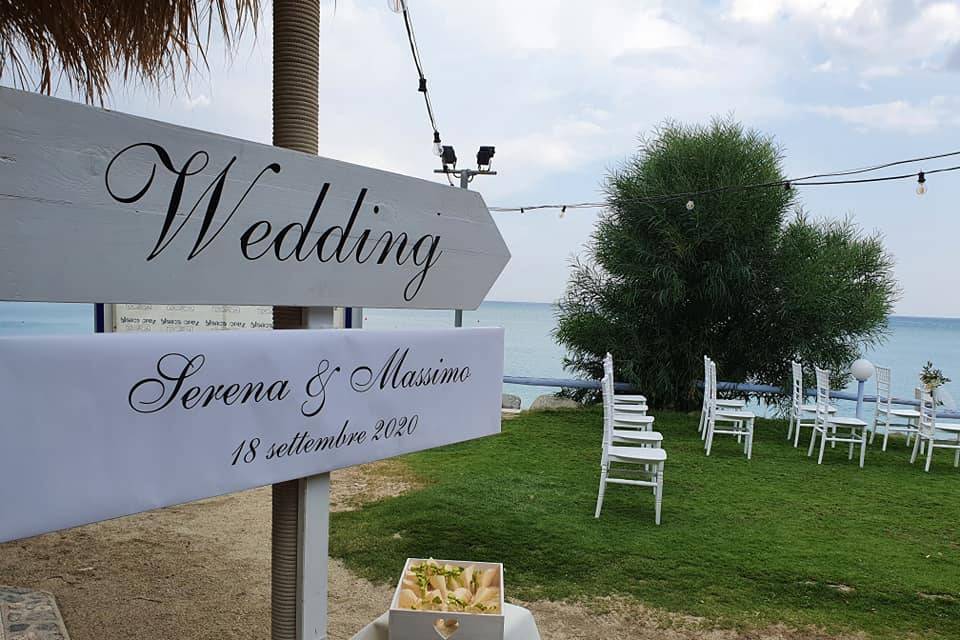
202	570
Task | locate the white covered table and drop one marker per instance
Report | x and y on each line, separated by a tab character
518	625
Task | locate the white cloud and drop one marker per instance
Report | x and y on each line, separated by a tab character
193	102
765	11
899	115
604	29
824	67
883	71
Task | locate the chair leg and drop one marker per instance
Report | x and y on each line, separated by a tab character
749	439
956	456
916	448
833	443
886	436
603	487
658	494
790	427
813	440
853	434
929	455
823	445
873	429
796	435
863	448
709	444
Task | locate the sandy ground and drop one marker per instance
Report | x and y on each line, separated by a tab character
202	570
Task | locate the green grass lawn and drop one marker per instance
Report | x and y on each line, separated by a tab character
742	543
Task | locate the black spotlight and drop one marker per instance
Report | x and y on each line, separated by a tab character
449	158
485	158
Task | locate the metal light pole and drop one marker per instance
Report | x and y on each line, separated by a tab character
484	158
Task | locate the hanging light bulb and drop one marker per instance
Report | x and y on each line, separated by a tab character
437	146
395	5
921	184
690	205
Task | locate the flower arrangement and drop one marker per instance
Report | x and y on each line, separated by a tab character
428	586
932	377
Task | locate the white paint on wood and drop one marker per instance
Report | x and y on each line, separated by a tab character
85	194
312	557
314	524
88	432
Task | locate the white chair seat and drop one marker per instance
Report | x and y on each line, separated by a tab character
842	421
951	427
632	435
632	419
630	408
812	408
630	398
735	415
638	454
900	413
731	403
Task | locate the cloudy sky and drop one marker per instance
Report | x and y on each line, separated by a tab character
563	89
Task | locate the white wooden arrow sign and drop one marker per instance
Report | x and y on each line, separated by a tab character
107	207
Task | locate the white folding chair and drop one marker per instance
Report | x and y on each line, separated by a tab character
884	412
627	429
729	404
640	466
801	413
927	431
827	425
740	421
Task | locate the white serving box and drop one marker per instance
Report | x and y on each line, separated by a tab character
407	624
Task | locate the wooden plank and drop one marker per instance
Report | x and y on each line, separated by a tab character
100	426
98	206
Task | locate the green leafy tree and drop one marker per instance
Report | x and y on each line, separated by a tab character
745	276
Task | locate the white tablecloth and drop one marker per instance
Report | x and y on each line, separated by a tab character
518	625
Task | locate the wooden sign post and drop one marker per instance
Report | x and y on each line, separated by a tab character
99	206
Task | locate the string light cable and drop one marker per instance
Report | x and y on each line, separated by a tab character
812	180
400	7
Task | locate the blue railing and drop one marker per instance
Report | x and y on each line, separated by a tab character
740	387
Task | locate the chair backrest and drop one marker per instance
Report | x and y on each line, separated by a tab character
608	364
797	387
706	382
883	386
607	391
823	394
712	383
928	412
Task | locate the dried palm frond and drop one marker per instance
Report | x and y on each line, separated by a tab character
91	41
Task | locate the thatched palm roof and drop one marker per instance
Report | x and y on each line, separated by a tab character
90	42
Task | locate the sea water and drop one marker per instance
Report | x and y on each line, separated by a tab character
531	351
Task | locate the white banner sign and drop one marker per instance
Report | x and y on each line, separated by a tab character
99	206
101	426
